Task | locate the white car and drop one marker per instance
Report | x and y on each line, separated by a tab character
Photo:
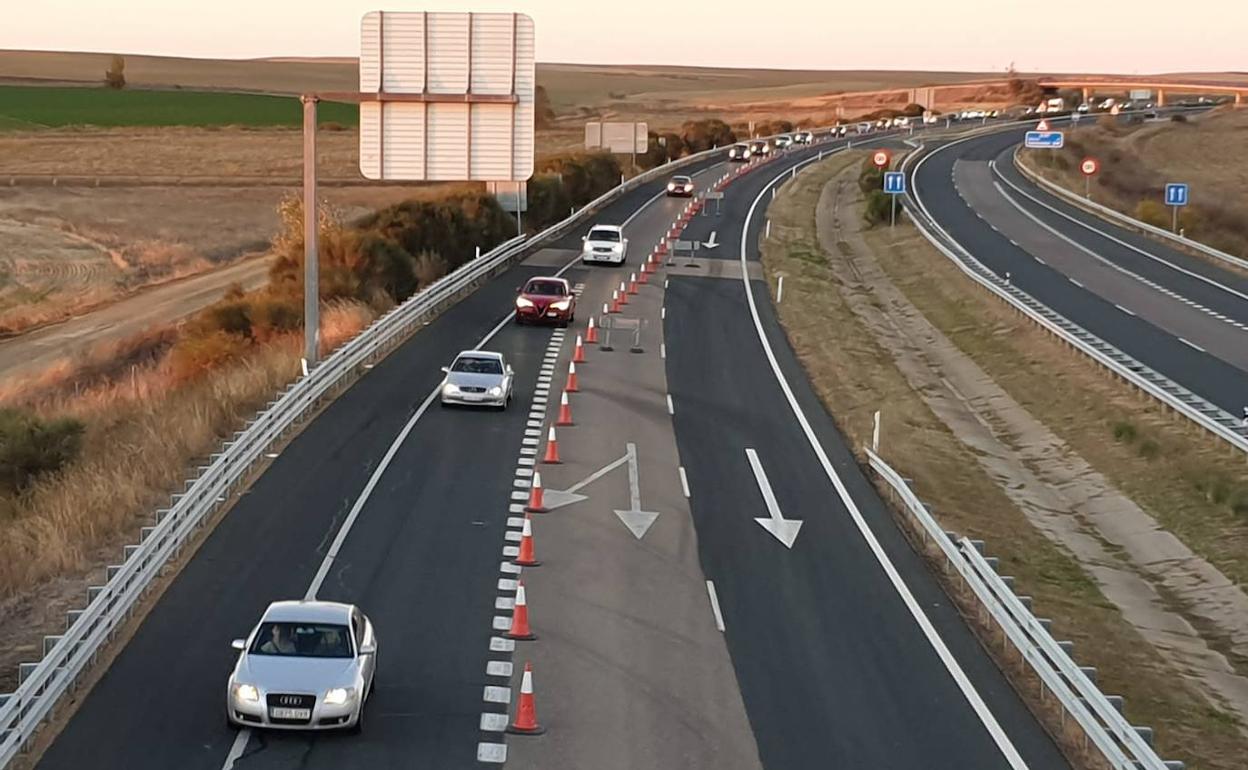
739	152
759	148
783	141
803	137
606	244
308	665
478	378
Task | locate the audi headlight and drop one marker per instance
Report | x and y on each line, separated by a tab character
339	695
450	389
496	391
246	692
522	302
562	304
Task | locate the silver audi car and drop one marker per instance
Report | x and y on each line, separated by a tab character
477	378
308	665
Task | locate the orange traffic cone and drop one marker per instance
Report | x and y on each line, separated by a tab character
644	278
578	352
591	332
537	499
520	618
573	385
632	283
565	411
552	448
525	722
623	294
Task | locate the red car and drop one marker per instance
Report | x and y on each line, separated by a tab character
546	299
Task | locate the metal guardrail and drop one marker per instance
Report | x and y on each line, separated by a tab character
1123	746
66	657
1207	415
1120	218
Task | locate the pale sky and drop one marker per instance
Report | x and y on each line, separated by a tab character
1121	36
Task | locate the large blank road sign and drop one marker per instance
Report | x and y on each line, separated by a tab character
446	96
623	138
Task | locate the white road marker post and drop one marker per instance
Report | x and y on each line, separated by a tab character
767	233
875	432
780	289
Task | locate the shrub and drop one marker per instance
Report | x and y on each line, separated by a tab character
548	201
699	135
878	207
1149	449
1124	431
115	75
1153	213
543	114
1239	503
198	354
913	110
30	446
1178	117
429	268
871	179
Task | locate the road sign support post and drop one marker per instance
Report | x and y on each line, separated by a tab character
1174	227
892	217
311	227
1087	186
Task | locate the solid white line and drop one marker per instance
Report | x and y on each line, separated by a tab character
684	482
670	408
920	617
662	350
237	748
663	313
1123	309
1192	345
1072	280
719	617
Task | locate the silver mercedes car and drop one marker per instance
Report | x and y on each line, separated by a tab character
477	378
308	665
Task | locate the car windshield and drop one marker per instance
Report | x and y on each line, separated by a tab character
303	640
546	288
681	180
477	365
610	236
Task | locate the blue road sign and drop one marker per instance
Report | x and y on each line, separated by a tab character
1176	194
894	182
1045	140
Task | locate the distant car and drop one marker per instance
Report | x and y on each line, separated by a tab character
477	378
546	298
605	243
865	128
759	148
843	130
1085	107
680	186
803	137
883	123
784	141
901	122
930	118
739	153
307	665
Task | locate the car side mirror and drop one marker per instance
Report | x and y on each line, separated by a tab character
368	649
510	371
584	238
239	644
446	370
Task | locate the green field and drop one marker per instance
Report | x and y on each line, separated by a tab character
31	107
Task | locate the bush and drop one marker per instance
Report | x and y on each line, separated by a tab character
878	207
1239	503
548	201
871	179
1178	117
429	268
1149	449
913	110
700	135
1124	431
30	446
115	75
196	354
1153	213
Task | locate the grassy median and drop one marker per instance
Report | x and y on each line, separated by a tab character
855	376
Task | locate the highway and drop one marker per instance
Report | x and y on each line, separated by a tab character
1181	315
672	629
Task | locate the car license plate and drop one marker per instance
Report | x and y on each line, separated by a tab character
277	712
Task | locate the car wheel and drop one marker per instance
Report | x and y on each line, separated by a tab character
358	727
230	723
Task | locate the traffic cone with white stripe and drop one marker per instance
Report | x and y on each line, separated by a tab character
644	277
520	617
573	385
565	411
525	722
632	284
537	499
591	332
623	294
552	448
615	303
578	352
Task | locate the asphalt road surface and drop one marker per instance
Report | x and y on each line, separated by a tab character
673	630
1179	314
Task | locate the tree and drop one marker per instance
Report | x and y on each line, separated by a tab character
544	114
115	75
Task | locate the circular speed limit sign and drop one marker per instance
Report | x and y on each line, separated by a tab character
880	159
1089	166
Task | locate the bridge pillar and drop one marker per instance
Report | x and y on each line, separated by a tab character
1087	94
1239	98
1161	98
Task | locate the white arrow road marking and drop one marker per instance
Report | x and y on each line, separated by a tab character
556	498
637	520
710	242
784	530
